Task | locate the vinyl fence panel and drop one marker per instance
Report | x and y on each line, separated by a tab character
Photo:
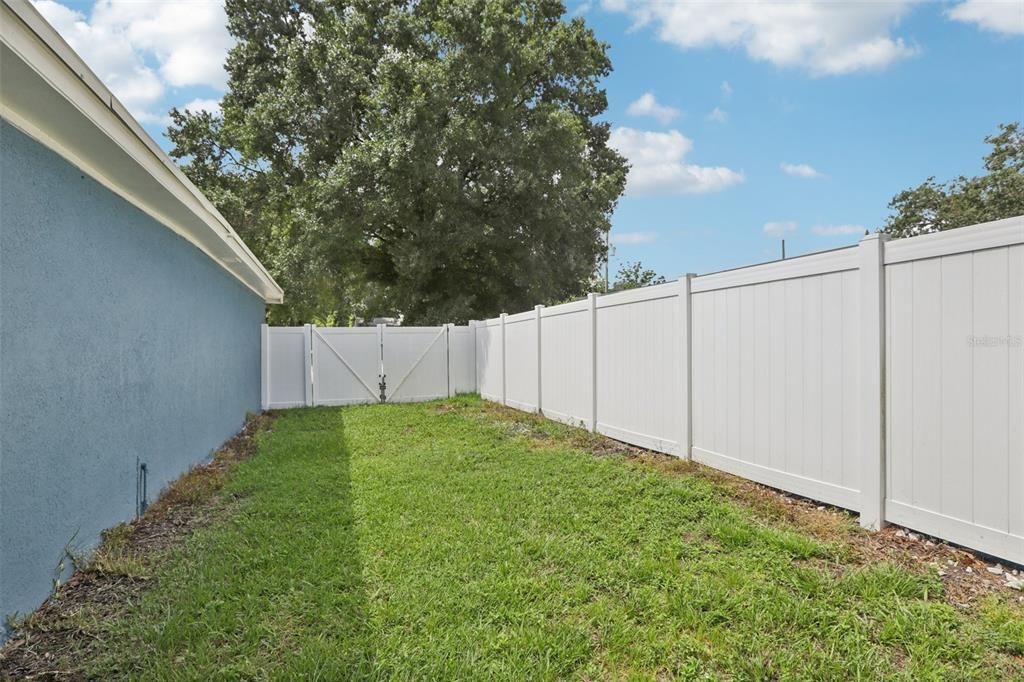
490	360
775	375
521	354
462	359
566	363
955	386
285	366
638	358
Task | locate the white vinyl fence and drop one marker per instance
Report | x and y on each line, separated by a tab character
310	365
886	377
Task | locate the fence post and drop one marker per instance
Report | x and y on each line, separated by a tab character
382	382
476	371
307	336
537	310
503	370
592	303
686	363
872	372
448	356
264	366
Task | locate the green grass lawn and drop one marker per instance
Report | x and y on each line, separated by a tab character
458	540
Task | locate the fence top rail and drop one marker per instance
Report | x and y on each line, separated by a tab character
526	316
651	293
821	263
338	331
286	330
414	330
579	306
995	234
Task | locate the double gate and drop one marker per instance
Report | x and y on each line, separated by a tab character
310	365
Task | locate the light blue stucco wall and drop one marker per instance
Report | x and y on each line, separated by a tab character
119	342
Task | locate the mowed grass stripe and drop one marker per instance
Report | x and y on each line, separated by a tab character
451	541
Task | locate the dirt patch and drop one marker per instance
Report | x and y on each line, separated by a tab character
48	644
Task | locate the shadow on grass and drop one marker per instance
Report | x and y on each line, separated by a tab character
275	588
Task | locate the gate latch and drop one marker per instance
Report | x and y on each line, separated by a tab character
383	385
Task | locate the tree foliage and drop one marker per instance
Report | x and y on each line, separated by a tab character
634	275
438	159
999	193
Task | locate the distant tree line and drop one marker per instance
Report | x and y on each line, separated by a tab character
999	193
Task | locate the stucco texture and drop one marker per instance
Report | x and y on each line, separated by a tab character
120	343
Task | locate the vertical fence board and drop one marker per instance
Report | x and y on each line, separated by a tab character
954	457
1015	402
747	407
832	389
991	395
793	399
777	356
900	393
851	392
926	371
762	394
812	389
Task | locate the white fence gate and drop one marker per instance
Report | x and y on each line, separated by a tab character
310	365
886	377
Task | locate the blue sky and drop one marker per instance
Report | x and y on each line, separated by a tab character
745	122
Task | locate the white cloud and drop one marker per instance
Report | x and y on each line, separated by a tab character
110	54
717	115
633	237
1000	16
647	105
139	49
780	228
582	9
659	168
800	170
838	230
726	89
823	38
198	105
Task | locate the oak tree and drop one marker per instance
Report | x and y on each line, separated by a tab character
442	159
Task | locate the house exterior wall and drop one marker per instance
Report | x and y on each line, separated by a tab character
120	344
